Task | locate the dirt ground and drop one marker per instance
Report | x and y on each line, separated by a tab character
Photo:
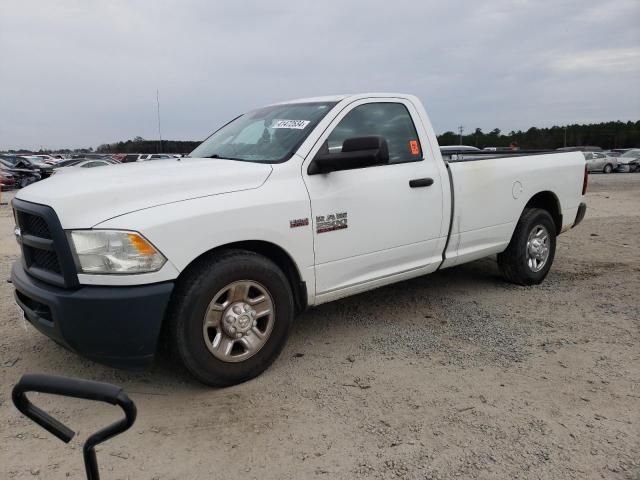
453	375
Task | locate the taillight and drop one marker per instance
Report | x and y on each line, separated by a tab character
585	181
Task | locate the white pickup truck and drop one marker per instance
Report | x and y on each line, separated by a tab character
283	208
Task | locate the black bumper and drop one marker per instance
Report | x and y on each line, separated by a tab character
582	210
117	326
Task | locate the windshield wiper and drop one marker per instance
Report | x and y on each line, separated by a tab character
215	155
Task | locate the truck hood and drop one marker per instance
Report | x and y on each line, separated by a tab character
85	198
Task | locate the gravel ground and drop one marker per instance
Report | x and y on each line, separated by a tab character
452	375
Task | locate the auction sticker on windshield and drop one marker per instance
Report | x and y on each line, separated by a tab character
297	124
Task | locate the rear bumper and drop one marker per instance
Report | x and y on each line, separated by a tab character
582	211
117	326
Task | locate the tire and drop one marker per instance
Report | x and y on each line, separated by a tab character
202	291
608	168
517	264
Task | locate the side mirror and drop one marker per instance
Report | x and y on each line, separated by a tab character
358	152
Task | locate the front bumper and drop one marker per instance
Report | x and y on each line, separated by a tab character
626	167
116	326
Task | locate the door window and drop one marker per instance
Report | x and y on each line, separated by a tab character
390	121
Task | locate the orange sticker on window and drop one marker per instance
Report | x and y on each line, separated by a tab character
413	145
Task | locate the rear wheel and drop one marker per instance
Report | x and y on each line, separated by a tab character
608	168
230	317
529	256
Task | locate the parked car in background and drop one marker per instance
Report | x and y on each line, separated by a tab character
84	164
154	156
21	176
466	148
44	168
67	163
616	152
498	149
599	162
91	156
130	157
7	179
583	148
47	159
629	161
27	163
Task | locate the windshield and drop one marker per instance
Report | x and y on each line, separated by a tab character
9	161
267	135
34	160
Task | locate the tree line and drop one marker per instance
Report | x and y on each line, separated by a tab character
140	145
606	135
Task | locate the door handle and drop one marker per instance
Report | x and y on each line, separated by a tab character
421	182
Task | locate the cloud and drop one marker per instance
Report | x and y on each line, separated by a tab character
77	73
621	60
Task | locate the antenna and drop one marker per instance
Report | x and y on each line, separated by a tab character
159	131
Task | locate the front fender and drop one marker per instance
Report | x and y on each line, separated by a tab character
183	231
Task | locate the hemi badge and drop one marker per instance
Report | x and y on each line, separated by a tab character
300	222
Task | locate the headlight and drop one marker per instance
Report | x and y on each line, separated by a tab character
114	251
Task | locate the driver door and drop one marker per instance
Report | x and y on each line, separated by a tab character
370	225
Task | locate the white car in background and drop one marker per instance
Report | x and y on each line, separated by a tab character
599	162
629	161
82	164
458	148
154	156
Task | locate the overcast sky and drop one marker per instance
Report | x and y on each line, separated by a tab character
81	73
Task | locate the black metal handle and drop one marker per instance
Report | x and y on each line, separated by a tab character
77	388
421	182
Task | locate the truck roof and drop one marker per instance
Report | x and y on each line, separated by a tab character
338	98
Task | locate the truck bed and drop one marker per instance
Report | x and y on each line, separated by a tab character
491	191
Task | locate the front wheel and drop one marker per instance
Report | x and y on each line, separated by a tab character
230	317
608	168
530	253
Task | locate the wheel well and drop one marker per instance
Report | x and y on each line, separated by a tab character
274	253
549	202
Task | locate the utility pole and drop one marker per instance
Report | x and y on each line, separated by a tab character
159	132
460	130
